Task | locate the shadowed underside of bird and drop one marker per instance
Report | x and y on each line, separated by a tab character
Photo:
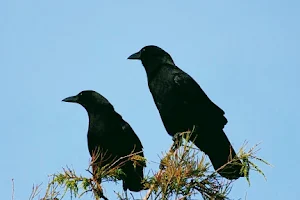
182	104
112	137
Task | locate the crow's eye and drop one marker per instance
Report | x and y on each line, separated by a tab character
80	94
143	50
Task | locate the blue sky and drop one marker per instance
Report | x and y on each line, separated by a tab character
245	55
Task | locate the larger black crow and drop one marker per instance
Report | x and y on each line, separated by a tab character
113	136
182	104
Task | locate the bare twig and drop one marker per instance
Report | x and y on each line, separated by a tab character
13	189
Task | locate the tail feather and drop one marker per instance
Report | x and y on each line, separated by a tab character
133	179
216	145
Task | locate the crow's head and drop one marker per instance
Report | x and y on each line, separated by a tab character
152	57
89	99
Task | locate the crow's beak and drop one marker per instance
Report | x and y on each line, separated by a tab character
135	56
72	99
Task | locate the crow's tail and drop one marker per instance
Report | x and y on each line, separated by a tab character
133	179
216	145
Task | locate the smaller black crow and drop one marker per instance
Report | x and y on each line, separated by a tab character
113	136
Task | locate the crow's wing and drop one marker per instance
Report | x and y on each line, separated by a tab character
195	101
132	141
